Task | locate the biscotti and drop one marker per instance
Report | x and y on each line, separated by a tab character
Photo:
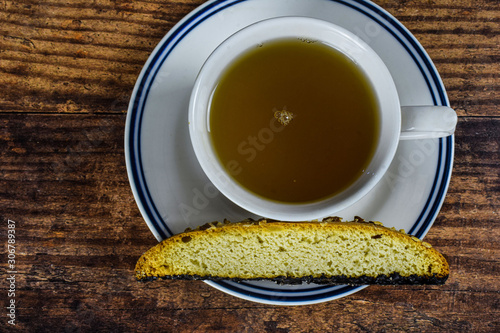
327	252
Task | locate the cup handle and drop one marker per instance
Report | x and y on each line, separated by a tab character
427	122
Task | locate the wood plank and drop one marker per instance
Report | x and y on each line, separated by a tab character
373	312
80	234
85	57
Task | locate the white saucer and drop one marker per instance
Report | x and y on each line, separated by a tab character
173	193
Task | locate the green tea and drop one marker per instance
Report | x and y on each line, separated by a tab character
294	121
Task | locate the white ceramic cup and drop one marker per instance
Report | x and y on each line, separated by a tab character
396	122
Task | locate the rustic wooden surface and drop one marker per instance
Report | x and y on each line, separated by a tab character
67	69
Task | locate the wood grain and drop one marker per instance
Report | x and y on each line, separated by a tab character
67	69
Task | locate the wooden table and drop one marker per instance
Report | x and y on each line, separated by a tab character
67	70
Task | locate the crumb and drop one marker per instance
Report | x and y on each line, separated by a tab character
284	117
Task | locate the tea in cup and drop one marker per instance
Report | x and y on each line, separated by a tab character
295	118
